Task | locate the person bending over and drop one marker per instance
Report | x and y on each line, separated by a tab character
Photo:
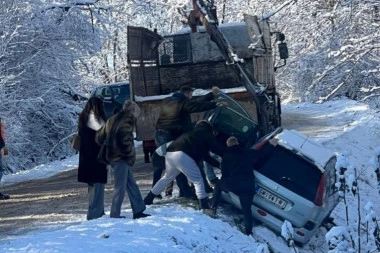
183	155
175	119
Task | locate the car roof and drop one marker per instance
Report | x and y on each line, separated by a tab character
113	84
305	146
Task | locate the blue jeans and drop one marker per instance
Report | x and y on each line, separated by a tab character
125	182
95	201
163	136
209	170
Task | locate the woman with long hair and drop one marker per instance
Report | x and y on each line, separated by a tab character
90	171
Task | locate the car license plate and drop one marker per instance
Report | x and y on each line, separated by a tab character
271	197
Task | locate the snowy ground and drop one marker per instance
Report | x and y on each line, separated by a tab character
346	127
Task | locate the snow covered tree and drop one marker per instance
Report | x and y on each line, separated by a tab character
41	45
53	52
339	240
334	48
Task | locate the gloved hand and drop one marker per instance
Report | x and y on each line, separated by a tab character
221	103
274	141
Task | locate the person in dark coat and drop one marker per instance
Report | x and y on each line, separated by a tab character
90	171
237	168
175	119
121	154
3	196
183	155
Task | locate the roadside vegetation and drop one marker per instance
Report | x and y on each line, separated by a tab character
53	53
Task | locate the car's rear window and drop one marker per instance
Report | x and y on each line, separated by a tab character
292	172
121	93
231	122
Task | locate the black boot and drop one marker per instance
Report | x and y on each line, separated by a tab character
210	212
149	198
4	196
140	215
203	203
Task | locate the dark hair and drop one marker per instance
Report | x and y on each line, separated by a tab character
232	141
205	124
185	89
94	104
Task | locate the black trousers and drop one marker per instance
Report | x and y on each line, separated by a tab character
242	187
158	163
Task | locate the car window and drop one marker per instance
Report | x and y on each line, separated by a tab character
331	174
121	93
98	93
291	171
232	104
104	93
232	119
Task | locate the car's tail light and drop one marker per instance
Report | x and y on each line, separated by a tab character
260	144
320	191
261	212
300	233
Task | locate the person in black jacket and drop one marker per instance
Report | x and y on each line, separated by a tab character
175	119
183	155
237	168
90	171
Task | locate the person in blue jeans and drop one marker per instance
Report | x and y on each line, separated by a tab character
121	154
210	173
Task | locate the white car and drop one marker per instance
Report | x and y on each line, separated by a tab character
295	183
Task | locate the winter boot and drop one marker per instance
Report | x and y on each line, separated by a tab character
210	212
149	198
158	196
4	196
203	203
140	215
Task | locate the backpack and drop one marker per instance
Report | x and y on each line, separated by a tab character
2	143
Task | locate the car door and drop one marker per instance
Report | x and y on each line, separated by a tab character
232	120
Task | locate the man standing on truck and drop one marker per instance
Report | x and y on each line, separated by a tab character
175	119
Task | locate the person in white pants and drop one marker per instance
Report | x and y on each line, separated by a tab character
183	155
177	162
